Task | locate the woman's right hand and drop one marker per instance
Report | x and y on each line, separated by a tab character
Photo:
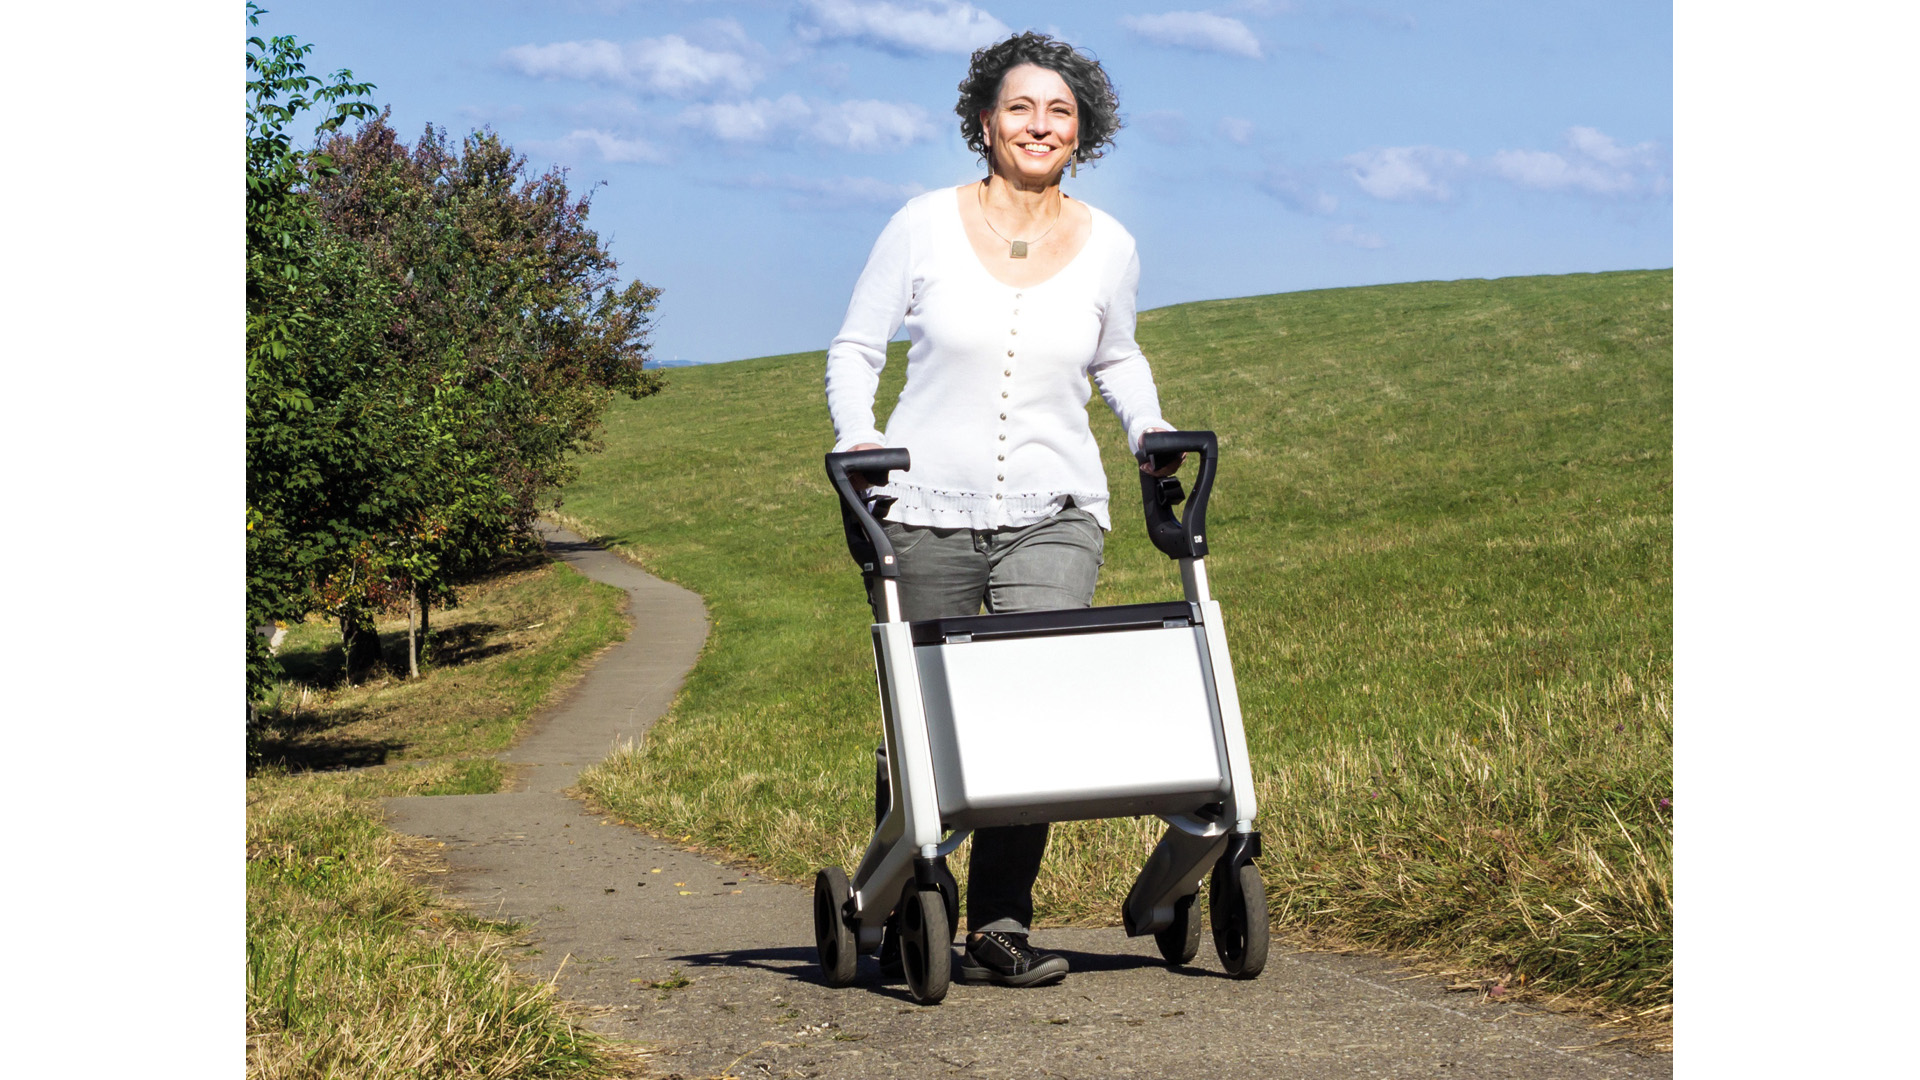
860	482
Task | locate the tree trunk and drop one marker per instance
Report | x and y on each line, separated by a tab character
423	603
413	642
362	644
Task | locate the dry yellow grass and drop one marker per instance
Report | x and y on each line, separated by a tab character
353	970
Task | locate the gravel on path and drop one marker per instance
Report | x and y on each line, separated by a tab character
714	966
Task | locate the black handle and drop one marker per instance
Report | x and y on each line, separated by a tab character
865	540
1184	537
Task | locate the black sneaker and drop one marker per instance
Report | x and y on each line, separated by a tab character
1007	959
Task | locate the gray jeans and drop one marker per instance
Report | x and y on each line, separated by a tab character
944	572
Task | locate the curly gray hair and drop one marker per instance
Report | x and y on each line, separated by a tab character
1092	91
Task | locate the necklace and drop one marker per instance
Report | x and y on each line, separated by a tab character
1016	249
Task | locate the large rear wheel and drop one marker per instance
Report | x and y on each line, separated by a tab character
1238	907
926	945
838	958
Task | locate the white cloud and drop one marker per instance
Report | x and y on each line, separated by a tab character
1406	173
1355	237
832	193
747	121
669	65
866	126
1295	192
1235	129
926	26
1200	30
1592	163
611	147
870	125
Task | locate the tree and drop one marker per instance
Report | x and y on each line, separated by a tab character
511	333
432	334
315	317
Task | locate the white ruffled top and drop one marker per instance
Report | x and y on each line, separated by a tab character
994	411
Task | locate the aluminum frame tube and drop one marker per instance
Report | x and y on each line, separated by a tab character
912	827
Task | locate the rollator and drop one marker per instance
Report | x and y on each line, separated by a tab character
1119	712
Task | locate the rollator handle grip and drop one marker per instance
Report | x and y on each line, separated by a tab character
866	541
1185	536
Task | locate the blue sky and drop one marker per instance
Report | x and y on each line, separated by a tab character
750	151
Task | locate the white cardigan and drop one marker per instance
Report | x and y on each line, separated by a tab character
994	411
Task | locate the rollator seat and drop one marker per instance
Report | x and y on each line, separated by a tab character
1072	714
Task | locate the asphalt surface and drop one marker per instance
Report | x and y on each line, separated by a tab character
713	966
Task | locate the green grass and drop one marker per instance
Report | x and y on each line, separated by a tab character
353	970
492	661
1442	541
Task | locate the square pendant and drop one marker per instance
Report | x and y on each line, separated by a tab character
1019	250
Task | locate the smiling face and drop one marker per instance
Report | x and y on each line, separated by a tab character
1034	127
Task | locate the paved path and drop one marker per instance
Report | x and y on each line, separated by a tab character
625	918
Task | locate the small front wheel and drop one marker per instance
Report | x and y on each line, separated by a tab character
1180	940
926	945
838	957
1238	906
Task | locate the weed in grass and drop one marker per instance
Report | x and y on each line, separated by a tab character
673	981
473	776
1443	514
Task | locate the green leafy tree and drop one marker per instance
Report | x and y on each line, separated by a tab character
433	333
315	321
512	335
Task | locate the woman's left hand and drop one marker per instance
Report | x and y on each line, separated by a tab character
1167	470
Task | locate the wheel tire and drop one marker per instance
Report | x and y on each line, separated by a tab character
838	958
890	944
1180	941
926	945
1238	907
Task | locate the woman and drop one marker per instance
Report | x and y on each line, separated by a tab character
1012	295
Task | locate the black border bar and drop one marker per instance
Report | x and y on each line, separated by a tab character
1055	623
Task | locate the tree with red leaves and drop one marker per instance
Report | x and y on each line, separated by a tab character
511	334
433	332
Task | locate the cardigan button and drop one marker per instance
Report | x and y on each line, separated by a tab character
1003	457
1008	373
1003	438
1003	393
1009	352
1015	330
1002	476
1017	296
1003	416
997	496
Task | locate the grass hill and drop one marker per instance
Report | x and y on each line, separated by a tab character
1442	540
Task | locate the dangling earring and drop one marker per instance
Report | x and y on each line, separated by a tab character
1073	163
